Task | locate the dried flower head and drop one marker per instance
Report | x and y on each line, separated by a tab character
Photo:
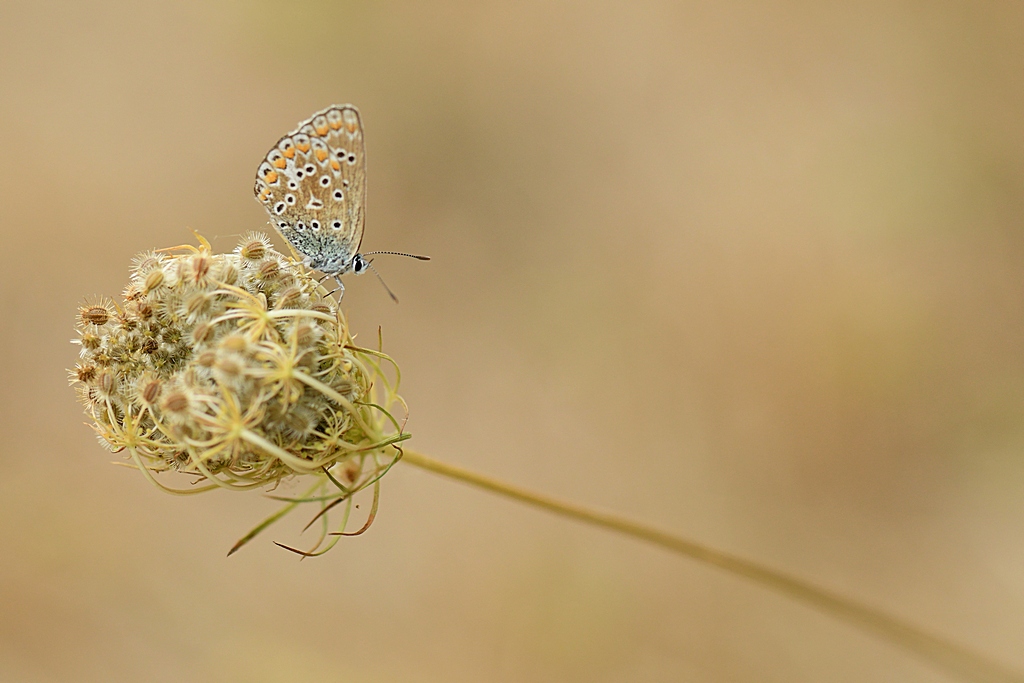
241	381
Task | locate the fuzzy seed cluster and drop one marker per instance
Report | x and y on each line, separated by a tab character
238	368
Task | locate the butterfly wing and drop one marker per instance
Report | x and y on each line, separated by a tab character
313	185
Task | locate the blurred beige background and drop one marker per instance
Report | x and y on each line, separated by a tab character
754	274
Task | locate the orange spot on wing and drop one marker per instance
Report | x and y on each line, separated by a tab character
280	163
303	146
321	154
289	151
335	124
335	165
270	176
322	129
351	120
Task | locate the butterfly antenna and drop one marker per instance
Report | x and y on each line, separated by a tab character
370	266
397	253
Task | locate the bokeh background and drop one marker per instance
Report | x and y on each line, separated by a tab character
751	272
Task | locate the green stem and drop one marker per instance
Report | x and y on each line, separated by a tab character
951	656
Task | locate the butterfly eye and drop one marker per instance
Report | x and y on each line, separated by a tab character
325	181
279	207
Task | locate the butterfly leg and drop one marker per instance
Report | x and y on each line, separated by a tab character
340	289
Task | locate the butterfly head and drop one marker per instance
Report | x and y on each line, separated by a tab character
337	264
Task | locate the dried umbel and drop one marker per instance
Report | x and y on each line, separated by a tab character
238	369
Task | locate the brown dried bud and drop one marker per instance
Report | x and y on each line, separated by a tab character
234	342
253	250
105	382
229	274
289	297
85	373
175	402
229	367
154	279
321	307
150	391
97	315
200	267
90	341
305	334
198	304
270	270
202	332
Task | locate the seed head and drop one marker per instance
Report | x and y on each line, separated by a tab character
235	368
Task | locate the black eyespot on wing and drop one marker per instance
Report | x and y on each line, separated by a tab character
315	225
325	180
289	198
336	225
279	208
338	195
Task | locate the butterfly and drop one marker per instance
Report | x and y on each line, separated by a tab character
313	185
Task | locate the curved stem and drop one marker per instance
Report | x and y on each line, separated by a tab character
951	656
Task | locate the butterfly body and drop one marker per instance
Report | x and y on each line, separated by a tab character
313	185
